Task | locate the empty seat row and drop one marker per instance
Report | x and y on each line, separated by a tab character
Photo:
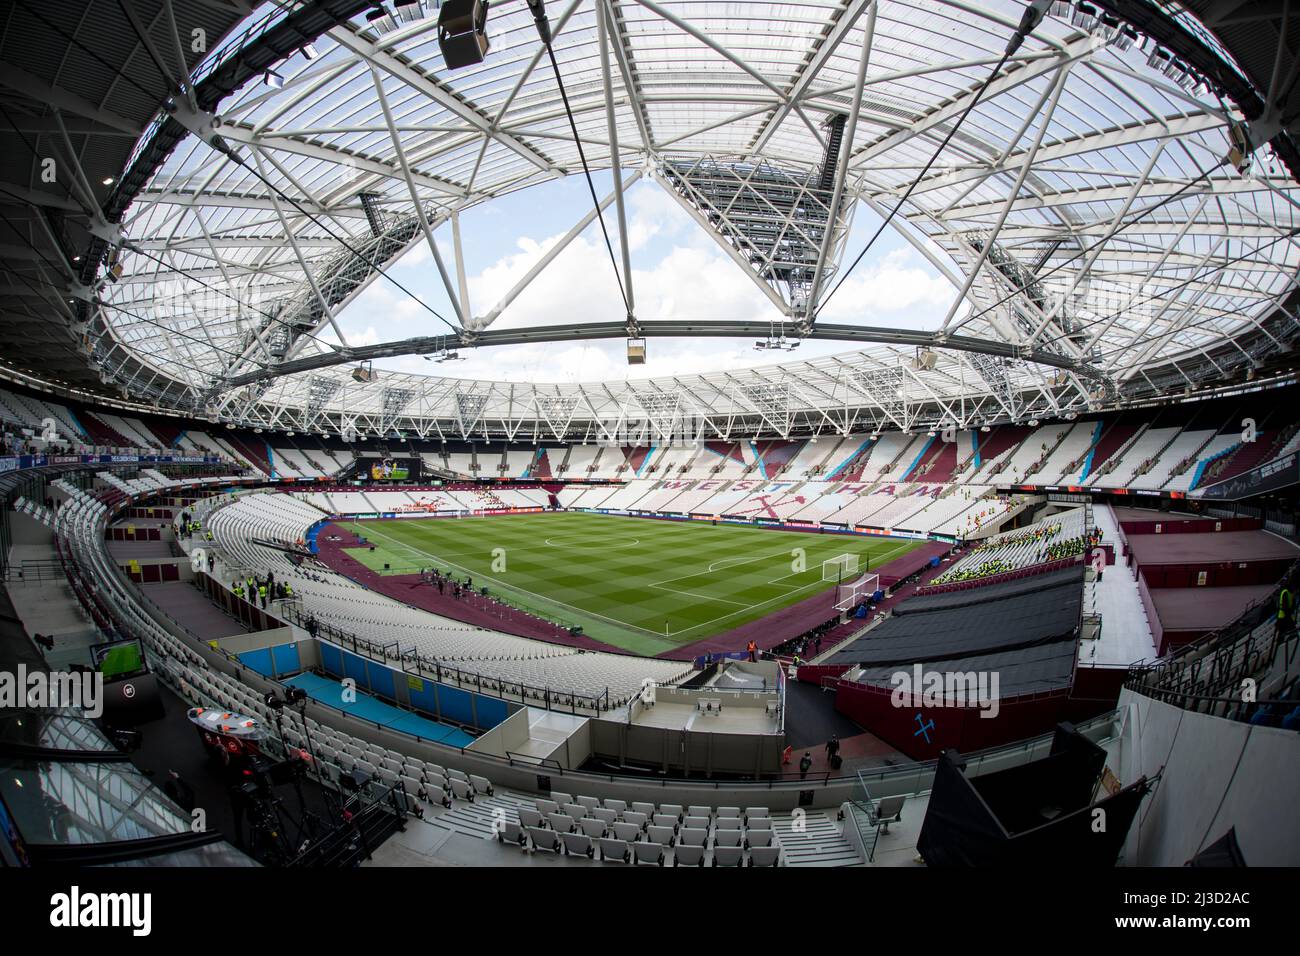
617	849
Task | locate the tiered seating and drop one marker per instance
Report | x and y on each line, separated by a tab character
941	459
627	496
544	463
812	456
691	500
672	461
581	460
1054	538
777	500
1125	467
31	412
1186	472
132	430
723	502
1031	451
1060	467
663	835
517	463
190	676
103	434
461	463
833	498
147	481
333	598
720	459
894	455
887	508
609	462
582	497
942	514
775	456
1247	455
850	460
661	498
1174	456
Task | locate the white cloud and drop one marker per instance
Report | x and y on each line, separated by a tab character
900	289
681	273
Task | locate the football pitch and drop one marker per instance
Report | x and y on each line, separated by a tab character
642	585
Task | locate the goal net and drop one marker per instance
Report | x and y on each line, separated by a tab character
840	568
852	593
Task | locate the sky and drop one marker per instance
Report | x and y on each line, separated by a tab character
678	272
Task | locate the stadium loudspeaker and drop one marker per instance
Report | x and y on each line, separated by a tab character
543	783
462	32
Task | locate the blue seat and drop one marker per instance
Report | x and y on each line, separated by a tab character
1264	717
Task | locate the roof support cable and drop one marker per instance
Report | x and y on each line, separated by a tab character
538	8
223	147
1039	277
135	315
1029	21
126	243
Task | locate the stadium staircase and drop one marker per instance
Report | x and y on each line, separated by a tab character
854	467
1151	461
819	469
348	847
897	460
1119	435
1114	456
1244	456
1041	462
813	839
482	818
1007	458
101	434
1192	457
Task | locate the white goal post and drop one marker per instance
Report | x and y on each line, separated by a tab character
851	593
840	568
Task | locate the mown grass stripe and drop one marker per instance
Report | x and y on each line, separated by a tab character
625	579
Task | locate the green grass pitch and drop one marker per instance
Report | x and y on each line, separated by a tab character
642	585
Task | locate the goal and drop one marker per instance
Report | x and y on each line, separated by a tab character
851	593
840	568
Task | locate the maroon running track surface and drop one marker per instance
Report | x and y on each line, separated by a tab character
473	609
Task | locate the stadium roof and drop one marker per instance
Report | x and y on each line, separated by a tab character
1081	204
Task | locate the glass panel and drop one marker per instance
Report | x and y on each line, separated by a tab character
52	730
81	803
216	854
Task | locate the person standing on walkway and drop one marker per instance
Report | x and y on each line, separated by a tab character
832	747
805	764
1285	611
